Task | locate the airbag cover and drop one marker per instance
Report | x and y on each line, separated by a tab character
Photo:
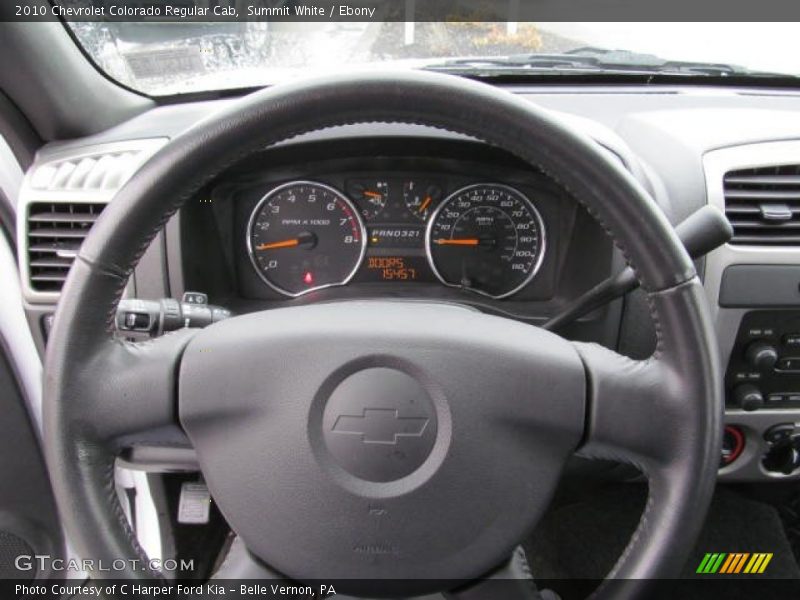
419	440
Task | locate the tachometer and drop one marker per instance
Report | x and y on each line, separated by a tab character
488	238
304	236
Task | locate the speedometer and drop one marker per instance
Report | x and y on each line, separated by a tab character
487	238
304	236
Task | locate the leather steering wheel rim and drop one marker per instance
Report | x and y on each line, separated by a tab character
101	394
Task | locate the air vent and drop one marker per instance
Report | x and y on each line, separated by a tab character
763	205
55	233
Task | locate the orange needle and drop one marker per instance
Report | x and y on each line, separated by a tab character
282	244
458	242
425	204
372	194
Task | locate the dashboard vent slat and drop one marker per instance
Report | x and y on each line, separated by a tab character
54	261
50	276
763	205
55	233
57	217
58	232
765	180
772	240
55	247
782	195
749	224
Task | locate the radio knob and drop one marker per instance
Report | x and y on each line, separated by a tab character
748	397
761	356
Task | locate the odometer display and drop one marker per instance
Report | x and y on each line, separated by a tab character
304	236
487	238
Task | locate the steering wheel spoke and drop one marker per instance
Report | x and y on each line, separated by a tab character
129	391
629	405
644	411
137	393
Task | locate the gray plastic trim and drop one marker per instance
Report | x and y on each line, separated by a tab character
13	325
10	174
17	337
748	466
716	163
768	286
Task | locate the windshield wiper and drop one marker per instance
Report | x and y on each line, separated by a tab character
594	60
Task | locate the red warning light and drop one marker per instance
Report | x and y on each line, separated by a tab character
308	278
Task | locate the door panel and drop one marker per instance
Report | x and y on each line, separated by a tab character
29	523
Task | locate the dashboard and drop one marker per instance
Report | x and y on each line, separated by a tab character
411	213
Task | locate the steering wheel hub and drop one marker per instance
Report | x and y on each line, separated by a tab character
411	446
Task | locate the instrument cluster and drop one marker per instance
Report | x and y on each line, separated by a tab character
483	237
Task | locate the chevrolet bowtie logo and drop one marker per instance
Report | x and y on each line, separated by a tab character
380	425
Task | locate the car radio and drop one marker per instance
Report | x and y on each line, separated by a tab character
764	367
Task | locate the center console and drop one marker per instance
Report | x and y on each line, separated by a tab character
753	288
764	365
763	374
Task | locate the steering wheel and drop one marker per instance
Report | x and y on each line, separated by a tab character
478	414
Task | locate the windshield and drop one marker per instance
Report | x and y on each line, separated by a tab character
175	58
